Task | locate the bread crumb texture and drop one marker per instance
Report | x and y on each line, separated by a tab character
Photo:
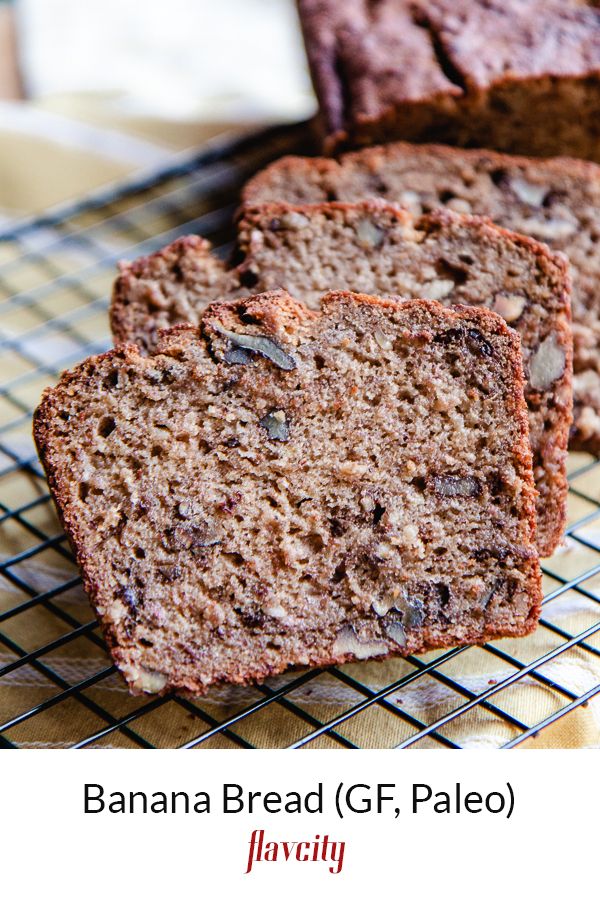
379	249
552	200
279	488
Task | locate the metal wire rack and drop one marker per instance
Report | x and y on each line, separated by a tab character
57	685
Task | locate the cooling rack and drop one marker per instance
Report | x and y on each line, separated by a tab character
58	687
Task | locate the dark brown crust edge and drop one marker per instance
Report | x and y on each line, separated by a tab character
337	130
42	432
433	115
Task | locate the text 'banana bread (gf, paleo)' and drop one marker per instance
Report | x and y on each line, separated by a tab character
515	75
383	250
554	200
283	488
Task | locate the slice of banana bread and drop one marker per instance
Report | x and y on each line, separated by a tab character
554	200
279	488
383	250
517	75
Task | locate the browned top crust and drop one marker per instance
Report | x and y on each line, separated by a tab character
379	52
491	41
421	69
279	487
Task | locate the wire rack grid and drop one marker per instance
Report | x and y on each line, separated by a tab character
58	687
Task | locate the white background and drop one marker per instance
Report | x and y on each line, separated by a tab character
50	848
241	60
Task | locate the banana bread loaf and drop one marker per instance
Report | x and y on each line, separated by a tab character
515	75
281	488
384	250
554	200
